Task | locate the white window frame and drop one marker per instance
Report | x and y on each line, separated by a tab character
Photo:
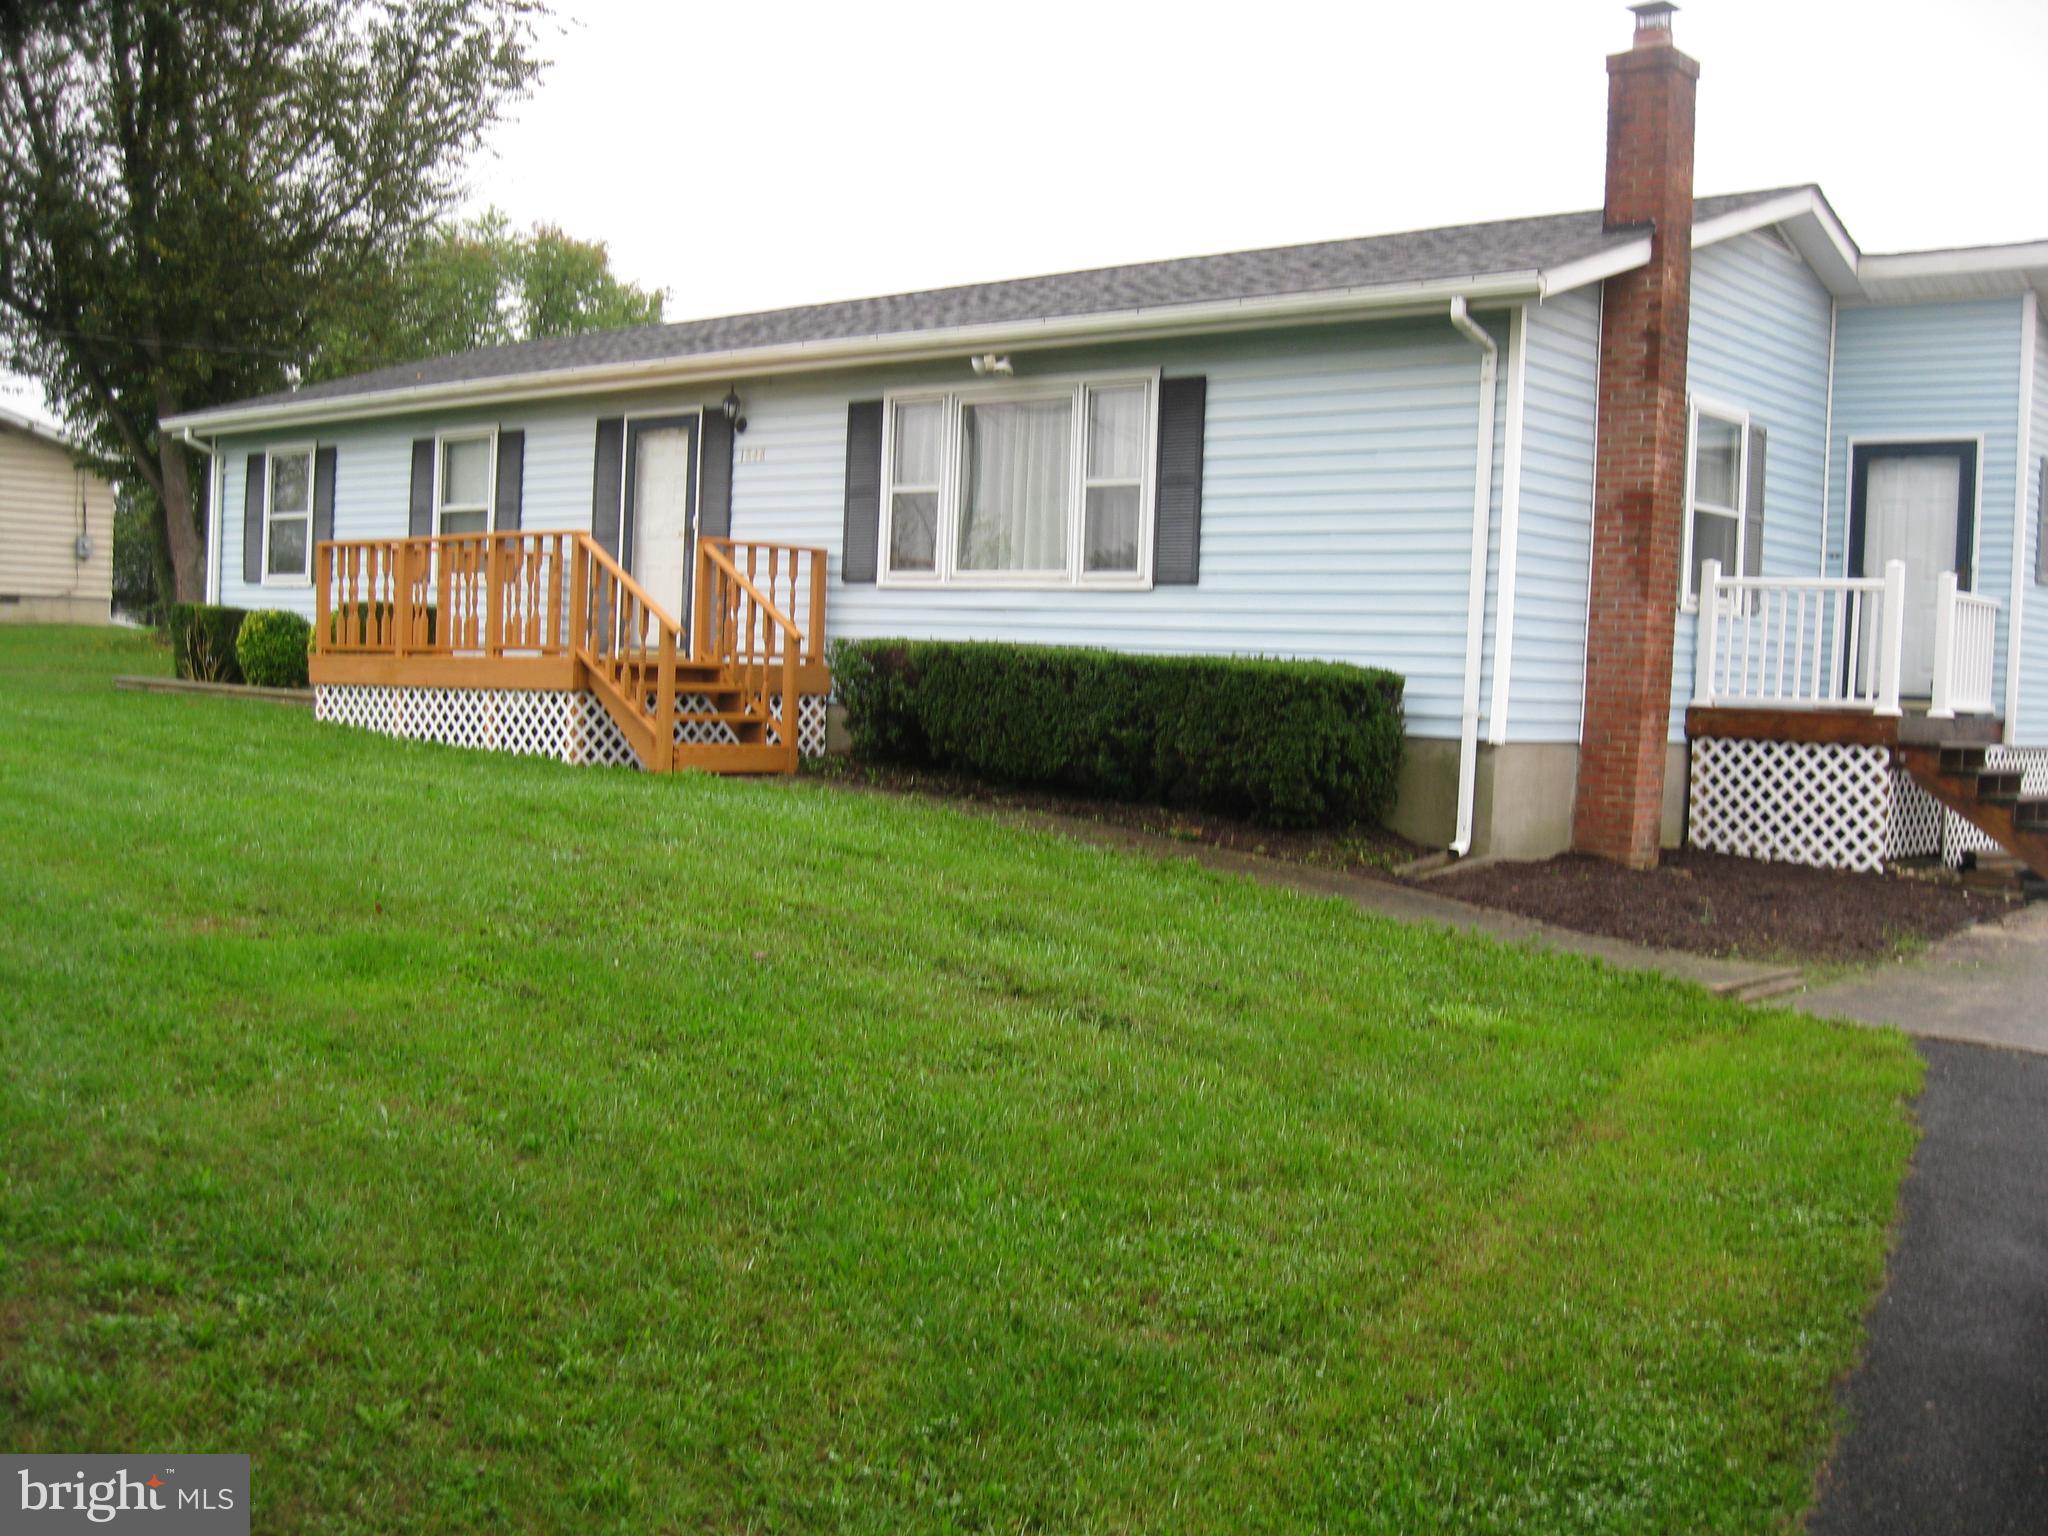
945	571
1737	417
490	506
310	453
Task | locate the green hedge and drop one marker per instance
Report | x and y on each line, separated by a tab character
272	648
203	639
1287	743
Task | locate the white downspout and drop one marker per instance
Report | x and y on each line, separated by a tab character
2030	322
1510	525
216	488
1475	596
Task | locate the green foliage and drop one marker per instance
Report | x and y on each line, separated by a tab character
203	641
1287	743
138	584
185	191
485	1145
272	648
478	284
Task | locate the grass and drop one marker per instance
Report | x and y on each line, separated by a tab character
483	1144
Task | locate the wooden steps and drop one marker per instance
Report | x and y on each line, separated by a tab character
1993	800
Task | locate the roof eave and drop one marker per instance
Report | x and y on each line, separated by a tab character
1385	300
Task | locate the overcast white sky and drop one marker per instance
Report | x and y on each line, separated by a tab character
749	154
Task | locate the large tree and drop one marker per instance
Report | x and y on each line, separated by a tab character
478	283
187	192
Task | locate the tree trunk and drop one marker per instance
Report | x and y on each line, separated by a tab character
187	545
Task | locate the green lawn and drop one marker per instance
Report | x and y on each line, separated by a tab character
487	1144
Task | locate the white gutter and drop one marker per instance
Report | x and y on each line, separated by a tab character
2030	324
1379	301
216	487
1475	595
1510	524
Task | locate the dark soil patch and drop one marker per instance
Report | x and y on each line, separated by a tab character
1711	904
1361	850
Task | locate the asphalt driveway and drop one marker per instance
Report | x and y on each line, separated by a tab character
1949	1411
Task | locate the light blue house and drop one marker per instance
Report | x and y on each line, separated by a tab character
1386	451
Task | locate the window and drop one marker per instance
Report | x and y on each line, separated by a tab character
1717	501
288	517
462	488
1028	484
2041	528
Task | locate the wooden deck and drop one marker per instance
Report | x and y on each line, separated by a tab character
1840	726
554	612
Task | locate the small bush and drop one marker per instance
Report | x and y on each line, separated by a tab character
203	641
272	648
1286	743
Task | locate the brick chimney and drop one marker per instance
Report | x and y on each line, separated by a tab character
1639	482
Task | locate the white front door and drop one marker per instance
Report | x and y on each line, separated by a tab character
660	505
1912	502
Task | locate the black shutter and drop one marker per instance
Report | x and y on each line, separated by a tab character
511	481
2041	530
323	502
1177	528
252	520
608	481
859	548
714	480
422	520
1753	505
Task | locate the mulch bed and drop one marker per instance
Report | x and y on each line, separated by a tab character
1712	904
1360	850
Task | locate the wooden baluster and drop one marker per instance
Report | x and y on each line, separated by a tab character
665	704
579	573
400	563
814	642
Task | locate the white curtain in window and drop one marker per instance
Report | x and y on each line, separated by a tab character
1016	471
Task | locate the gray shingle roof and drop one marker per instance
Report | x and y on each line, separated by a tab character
1460	251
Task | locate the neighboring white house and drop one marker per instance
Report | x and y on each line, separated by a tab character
56	529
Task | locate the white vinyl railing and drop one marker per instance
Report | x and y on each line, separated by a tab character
1965	650
1807	642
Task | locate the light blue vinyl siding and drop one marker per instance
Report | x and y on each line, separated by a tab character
1546	680
1934	371
1336	507
2032	725
1759	341
373	475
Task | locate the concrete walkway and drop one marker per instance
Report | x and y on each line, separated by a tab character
1988	985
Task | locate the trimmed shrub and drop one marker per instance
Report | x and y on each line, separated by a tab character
1286	743
272	648
203	641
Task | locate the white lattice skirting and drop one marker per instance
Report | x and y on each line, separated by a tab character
1794	802
568	725
1833	805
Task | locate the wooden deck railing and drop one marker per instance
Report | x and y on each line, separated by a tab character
553	609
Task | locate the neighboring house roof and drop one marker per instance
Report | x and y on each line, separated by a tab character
35	428
1509	259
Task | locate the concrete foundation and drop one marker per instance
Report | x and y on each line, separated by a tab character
1523	797
55	610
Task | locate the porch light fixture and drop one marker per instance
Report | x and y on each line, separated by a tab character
991	362
732	410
